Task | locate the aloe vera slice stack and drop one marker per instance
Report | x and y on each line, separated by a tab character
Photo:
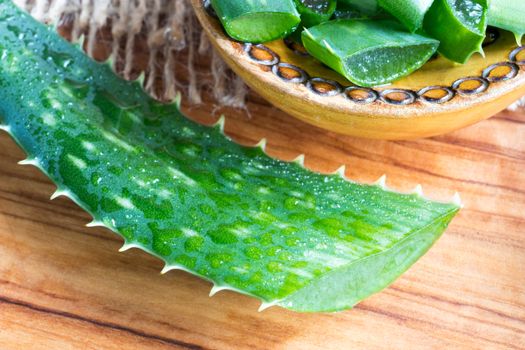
459	25
190	196
508	15
409	12
368	52
257	21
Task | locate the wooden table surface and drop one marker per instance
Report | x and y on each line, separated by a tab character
64	286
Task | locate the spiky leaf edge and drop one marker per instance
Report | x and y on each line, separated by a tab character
288	301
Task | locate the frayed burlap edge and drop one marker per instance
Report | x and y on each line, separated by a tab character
173	38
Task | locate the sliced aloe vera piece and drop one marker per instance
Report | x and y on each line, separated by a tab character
257	21
314	12
364	7
190	196
459	25
353	9
348	13
508	15
368	52
409	12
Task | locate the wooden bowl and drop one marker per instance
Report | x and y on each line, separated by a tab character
440	97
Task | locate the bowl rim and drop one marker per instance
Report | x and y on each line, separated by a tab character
378	102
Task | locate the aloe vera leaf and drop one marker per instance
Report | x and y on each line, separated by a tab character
459	25
368	52
190	196
409	12
508	15
314	12
257	21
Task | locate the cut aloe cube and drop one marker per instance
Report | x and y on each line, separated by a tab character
364	7
459	25
409	12
367	52
508	15
257	21
354	9
314	12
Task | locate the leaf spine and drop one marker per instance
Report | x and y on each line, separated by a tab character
96	223
262	144
456	199
81	41
220	123
341	171
141	78
60	193
30	161
299	160
381	182
266	305
216	289
418	190
178	99
167	268
128	246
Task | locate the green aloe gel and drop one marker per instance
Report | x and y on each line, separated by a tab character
368	52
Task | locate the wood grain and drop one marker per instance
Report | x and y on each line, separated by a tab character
64	286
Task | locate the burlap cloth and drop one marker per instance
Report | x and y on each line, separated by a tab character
160	38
